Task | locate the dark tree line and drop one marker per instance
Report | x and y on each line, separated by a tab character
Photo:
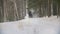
45	7
12	10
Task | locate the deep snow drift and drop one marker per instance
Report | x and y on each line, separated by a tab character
43	25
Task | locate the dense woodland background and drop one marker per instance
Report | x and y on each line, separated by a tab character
12	10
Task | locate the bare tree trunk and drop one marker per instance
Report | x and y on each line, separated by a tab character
49	8
23	8
1	11
41	11
5	19
57	10
17	17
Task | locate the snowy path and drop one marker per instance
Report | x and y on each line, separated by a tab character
32	26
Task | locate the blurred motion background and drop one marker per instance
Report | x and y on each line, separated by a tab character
29	16
13	10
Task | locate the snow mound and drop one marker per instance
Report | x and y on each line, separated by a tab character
27	16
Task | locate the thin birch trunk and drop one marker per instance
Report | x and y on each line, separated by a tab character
16	10
57	10
5	19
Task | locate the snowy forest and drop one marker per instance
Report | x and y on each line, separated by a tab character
29	16
12	10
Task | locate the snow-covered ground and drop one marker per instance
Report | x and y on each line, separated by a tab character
43	25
